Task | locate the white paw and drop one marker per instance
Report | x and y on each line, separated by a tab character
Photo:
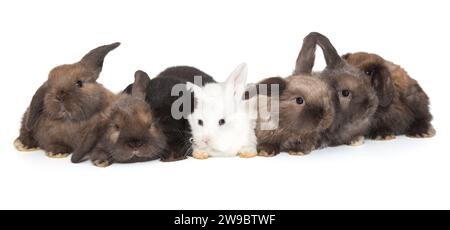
21	147
200	155
357	141
57	155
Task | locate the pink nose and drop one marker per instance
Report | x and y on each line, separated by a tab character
205	140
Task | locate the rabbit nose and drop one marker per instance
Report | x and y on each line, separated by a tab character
135	143
206	140
60	95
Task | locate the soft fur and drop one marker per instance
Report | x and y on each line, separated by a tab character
299	129
354	99
132	133
223	124
66	114
404	106
159	96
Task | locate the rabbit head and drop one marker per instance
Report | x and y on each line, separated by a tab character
133	133
354	98
71	91
220	113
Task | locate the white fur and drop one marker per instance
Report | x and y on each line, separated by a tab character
217	101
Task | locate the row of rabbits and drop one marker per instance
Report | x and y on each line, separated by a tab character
357	95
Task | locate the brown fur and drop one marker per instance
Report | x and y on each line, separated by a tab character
299	125
353	97
132	133
404	106
66	114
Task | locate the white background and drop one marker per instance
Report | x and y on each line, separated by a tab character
216	36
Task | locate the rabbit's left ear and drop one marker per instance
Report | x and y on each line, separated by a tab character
93	60
236	81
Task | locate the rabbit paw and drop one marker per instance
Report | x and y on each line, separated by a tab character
57	155
23	148
293	153
101	163
357	141
431	132
247	152
200	155
385	138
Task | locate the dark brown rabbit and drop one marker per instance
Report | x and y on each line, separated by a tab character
305	111
132	133
403	107
66	113
354	99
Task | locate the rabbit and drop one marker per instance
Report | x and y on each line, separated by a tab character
304	111
354	99
132	133
66	113
404	106
160	97
222	123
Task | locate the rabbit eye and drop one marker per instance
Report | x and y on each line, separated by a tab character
345	93
300	100
116	126
370	72
221	121
79	83
200	122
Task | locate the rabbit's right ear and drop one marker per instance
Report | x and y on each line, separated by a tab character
235	83
94	59
141	82
381	81
36	107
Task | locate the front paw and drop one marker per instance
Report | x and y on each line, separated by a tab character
247	152
266	150
101	163
358	141
22	147
200	155
57	155
384	137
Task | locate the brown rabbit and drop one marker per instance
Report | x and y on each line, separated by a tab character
66	113
403	107
305	111
132	133
354	99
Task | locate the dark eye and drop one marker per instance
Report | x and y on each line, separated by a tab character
116	126
345	93
370	72
79	83
300	100
221	121
200	122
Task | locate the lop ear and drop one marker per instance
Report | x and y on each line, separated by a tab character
36	107
94	59
266	86
346	56
382	82
305	60
141	82
236	81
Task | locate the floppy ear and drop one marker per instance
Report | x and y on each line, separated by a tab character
36	107
236	81
94	59
346	56
305	60
141	81
381	81
264	87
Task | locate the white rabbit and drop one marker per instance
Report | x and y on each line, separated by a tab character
223	124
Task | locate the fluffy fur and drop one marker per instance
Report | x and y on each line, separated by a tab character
299	129
223	123
159	97
132	133
354	99
66	114
404	106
